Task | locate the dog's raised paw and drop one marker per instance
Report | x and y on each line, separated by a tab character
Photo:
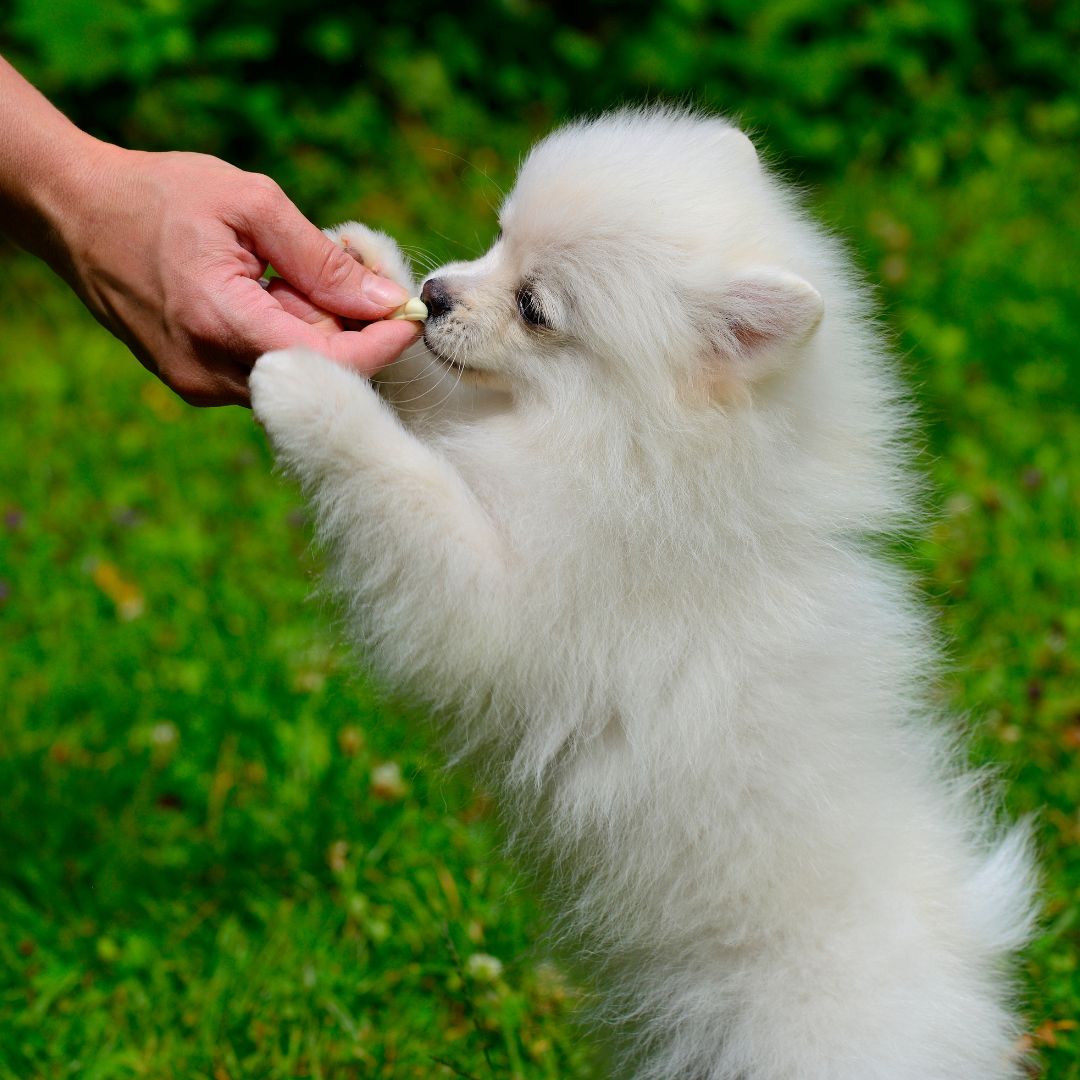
292	385
375	250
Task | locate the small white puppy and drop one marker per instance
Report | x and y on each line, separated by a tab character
615	521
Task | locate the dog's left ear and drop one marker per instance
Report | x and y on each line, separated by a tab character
759	317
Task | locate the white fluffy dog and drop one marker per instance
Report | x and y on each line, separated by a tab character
615	520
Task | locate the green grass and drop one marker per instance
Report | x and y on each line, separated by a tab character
203	875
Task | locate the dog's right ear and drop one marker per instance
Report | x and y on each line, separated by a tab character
758	319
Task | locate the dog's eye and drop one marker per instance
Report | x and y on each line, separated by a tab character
529	308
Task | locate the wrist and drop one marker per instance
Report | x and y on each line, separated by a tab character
66	195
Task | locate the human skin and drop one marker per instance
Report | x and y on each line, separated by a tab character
167	251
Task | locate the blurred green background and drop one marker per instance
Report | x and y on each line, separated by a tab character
222	853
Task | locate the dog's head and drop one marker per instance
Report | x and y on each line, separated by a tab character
646	252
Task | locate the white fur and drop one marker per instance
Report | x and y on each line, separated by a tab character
631	559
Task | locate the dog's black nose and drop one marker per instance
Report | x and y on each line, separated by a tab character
437	297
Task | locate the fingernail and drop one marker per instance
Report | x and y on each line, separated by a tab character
383	292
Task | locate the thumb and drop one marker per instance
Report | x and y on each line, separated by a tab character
315	266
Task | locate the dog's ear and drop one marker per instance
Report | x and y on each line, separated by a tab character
738	144
758	319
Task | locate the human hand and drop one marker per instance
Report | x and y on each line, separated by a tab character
167	251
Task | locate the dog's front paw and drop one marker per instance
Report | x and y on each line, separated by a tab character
377	251
280	380
295	392
324	421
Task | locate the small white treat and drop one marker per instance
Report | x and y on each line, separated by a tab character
414	310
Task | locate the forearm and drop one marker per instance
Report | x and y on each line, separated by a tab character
46	163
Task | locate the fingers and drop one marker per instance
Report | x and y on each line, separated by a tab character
372	348
280	317
312	263
301	307
364	351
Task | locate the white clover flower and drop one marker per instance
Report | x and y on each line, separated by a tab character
483	967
